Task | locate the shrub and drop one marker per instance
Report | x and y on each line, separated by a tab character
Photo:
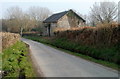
104	34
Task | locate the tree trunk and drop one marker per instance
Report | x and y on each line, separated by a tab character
21	30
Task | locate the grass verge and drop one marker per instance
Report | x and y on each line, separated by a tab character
16	62
99	61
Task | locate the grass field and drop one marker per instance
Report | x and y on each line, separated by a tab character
16	62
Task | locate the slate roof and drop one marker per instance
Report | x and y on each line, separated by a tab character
55	17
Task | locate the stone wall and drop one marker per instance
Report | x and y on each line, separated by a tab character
53	27
74	20
44	29
63	22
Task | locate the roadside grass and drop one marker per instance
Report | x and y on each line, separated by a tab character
71	51
16	62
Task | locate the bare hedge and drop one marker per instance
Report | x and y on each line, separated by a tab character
9	39
107	34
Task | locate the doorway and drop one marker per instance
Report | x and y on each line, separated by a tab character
49	29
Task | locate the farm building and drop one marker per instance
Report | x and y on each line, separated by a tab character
66	20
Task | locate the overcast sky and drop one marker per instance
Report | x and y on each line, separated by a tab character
81	6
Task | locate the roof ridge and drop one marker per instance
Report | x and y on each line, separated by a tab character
60	12
55	17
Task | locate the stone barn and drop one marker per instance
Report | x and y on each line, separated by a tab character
66	20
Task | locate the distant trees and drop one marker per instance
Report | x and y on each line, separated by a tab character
38	15
13	19
103	12
16	20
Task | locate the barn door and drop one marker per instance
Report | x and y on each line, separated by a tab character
49	29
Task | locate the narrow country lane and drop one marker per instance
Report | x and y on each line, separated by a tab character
55	63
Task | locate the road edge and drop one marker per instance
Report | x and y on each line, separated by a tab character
35	65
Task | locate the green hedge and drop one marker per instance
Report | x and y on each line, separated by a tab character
110	54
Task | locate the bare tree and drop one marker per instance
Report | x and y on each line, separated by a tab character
13	19
91	20
18	21
14	13
103	12
39	13
28	23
